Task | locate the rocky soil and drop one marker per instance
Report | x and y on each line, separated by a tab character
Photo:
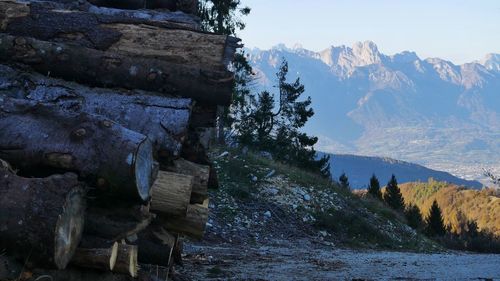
263	225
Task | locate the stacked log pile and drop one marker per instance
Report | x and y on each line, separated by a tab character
105	107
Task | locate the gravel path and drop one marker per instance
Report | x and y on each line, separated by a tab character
301	260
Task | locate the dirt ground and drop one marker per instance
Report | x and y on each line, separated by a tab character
305	260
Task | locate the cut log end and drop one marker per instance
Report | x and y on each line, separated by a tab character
69	227
144	164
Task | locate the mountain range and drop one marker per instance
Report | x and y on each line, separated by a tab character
427	111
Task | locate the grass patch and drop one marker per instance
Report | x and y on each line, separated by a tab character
352	228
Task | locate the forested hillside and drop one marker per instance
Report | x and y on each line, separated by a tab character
457	203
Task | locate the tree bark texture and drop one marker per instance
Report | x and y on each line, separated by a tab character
41	219
164	120
35	136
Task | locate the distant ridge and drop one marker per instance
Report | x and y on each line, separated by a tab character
359	169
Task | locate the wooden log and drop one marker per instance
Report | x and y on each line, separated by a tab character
155	246
41	219
108	69
171	193
204	116
200	174
138	56
116	223
164	120
193	224
34	136
103	259
186	6
126	260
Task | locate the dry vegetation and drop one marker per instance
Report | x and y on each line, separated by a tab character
457	203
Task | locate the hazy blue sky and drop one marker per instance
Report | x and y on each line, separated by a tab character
458	30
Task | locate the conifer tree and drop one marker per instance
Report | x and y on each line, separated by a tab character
344	181
393	196
374	187
434	222
414	217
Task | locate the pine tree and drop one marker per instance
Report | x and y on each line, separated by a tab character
344	181
414	217
277	130
434	222
393	196
374	187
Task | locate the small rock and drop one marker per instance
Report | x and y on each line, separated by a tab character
223	154
323	233
267	214
209	224
254	178
307	197
266	154
273	191
270	174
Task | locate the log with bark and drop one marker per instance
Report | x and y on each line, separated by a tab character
114	53
116	223
186	6
110	69
126	261
200	175
104	256
171	193
192	225
41	219
36	137
164	120
103	259
155	246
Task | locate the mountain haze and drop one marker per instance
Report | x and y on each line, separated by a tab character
427	111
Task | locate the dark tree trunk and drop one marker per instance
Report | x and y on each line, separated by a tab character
163	120
34	136
41	219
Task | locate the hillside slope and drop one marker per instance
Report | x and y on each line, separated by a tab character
270	221
458	204
260	198
359	169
